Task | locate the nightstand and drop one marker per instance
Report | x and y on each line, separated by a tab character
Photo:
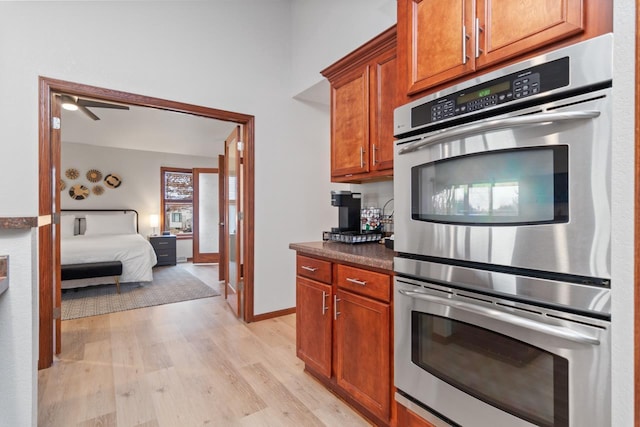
165	248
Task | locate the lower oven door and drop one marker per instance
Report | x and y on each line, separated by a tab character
484	361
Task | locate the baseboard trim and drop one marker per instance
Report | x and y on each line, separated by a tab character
272	314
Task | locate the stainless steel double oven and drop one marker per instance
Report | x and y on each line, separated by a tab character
502	227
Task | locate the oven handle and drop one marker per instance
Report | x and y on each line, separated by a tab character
495	124
556	331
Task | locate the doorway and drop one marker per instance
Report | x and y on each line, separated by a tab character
49	174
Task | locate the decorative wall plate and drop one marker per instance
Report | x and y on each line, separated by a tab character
112	180
79	192
72	173
94	175
62	184
97	190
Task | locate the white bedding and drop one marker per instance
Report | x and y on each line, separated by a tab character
134	251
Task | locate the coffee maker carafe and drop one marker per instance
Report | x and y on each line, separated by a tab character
348	204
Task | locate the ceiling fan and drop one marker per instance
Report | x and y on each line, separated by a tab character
73	103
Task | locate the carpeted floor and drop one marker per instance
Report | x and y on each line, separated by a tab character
170	284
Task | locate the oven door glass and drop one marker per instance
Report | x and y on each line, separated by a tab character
516	377
502	187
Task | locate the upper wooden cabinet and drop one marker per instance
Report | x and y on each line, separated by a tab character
363	97
438	43
507	28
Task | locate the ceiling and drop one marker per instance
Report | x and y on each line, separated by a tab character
147	129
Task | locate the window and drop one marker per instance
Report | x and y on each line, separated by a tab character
177	201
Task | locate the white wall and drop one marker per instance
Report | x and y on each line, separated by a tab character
140	175
622	253
325	31
19	330
322	31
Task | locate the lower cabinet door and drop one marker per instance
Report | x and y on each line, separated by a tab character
363	351
313	324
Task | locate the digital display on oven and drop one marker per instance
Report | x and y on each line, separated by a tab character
491	90
500	91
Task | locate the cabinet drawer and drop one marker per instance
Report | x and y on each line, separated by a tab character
364	282
163	243
313	268
166	256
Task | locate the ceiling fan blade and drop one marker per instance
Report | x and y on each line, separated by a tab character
99	104
87	112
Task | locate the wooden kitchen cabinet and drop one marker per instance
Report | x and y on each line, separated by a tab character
363	97
313	324
438	44
343	332
314	310
363	351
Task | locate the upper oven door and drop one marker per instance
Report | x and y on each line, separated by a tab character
528	189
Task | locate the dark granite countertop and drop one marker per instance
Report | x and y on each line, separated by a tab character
22	222
366	254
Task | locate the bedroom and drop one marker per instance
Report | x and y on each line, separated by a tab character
134	146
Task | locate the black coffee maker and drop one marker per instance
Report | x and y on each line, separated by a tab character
348	204
349	222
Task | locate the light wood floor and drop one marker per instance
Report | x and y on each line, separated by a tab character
185	364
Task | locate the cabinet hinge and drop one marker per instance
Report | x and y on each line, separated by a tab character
240	146
55	122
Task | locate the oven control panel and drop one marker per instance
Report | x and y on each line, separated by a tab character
510	88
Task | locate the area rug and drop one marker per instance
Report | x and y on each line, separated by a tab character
170	284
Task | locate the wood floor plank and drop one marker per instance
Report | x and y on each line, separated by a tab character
286	407
99	393
106	420
190	363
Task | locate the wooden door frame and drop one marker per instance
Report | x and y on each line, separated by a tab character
49	162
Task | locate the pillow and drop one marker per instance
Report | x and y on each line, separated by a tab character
110	224
67	225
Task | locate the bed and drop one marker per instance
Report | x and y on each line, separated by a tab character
94	236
